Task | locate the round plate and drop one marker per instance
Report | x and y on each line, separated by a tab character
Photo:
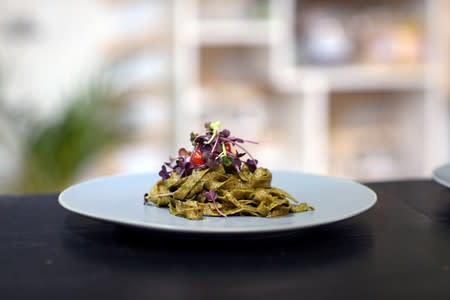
442	175
119	199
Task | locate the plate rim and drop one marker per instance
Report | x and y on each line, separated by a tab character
213	230
437	178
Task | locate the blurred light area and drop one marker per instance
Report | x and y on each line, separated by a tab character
51	52
351	88
61	47
132	17
346	31
141	68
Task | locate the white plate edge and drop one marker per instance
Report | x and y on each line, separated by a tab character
234	230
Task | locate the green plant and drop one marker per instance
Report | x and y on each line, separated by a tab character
55	152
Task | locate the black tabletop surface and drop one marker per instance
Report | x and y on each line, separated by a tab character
399	249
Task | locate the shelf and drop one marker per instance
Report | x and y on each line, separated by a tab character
232	32
130	45
395	94
359	77
235	9
370	135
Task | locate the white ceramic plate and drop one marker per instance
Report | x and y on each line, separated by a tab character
119	199
442	175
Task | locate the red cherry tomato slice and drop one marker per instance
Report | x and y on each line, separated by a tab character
228	147
196	158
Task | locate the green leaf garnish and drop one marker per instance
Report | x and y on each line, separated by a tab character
215	126
226	160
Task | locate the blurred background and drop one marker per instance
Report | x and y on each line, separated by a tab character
358	89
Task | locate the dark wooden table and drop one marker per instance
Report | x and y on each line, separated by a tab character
399	249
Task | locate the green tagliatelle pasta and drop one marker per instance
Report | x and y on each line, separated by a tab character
238	193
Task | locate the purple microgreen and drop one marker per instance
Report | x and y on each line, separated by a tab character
200	140
225	133
212	162
163	173
245	150
251	164
180	162
237	164
211	196
240	154
205	148
205	155
188	169
212	155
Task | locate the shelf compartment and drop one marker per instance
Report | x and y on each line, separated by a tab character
377	135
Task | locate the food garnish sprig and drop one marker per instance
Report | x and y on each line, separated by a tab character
215	147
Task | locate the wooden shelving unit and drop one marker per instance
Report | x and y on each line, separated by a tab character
320	95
